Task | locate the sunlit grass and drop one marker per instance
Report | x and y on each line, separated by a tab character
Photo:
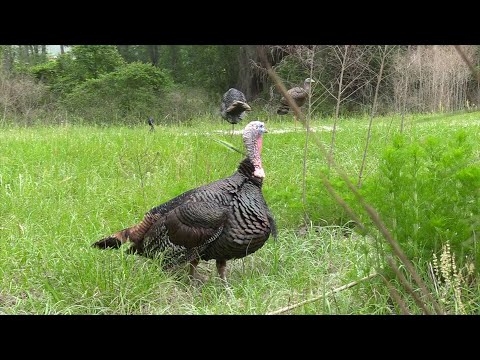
64	187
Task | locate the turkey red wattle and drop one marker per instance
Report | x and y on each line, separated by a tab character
257	160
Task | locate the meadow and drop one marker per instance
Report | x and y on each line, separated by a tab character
64	187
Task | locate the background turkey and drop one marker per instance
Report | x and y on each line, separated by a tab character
299	95
223	220
233	107
151	123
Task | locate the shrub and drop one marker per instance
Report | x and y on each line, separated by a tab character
135	87
428	193
20	96
185	103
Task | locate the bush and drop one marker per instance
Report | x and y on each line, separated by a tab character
71	69
428	193
21	96
134	88
185	103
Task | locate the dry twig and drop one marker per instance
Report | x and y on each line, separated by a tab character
344	287
372	213
395	295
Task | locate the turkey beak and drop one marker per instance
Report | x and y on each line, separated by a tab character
247	108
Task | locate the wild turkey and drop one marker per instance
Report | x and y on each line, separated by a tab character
150	122
233	107
223	220
299	95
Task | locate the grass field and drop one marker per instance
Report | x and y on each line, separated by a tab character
64	187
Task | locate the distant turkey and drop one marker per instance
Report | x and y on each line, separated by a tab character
233	107
223	220
299	95
151	123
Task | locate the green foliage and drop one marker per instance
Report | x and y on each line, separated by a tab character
184	103
96	84
428	191
294	70
82	63
65	75
135	86
63	187
213	67
94	60
45	72
132	53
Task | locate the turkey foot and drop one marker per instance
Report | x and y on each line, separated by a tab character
222	270
194	274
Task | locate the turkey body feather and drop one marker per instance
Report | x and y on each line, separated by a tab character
298	94
233	106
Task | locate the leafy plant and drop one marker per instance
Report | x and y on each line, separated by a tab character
135	86
428	191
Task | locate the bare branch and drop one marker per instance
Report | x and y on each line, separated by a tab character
334	291
469	63
372	213
407	285
396	296
372	115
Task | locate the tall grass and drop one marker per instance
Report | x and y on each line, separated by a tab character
64	187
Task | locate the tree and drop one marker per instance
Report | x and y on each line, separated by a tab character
438	79
8	56
351	63
90	61
383	51
154	54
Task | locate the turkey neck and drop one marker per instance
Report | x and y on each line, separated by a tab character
306	86
254	150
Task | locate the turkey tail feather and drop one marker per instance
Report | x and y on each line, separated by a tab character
110	242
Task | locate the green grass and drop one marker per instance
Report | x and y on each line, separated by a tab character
64	187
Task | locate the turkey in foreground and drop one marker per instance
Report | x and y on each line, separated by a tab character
233	107
223	220
299	95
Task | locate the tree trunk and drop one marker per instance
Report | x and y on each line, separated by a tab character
23	53
174	55
123	50
252	79
154	54
421	87
405	91
250	82
62	49
7	58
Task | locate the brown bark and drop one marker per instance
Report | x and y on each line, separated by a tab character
252	78
405	93
154	54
